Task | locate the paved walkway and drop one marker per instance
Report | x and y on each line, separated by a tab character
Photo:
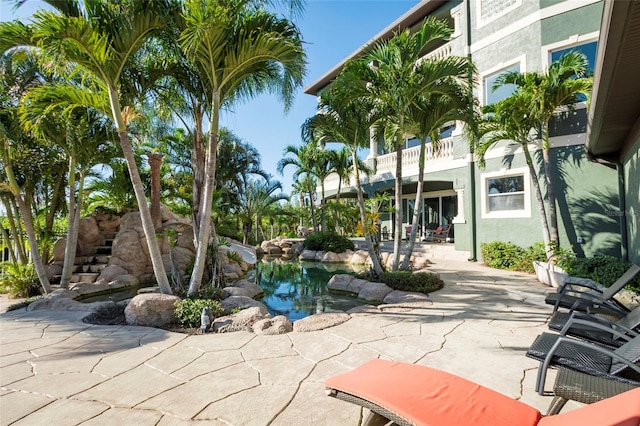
56	370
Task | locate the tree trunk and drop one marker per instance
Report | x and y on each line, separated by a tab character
323	218
551	193
314	221
155	162
198	159
9	247
205	230
16	249
541	209
72	227
373	253
418	209
16	230
397	236
51	214
145	215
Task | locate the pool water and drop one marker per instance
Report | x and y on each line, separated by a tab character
299	289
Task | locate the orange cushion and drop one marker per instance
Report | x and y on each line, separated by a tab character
620	410
425	396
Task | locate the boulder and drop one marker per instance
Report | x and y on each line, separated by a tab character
241	302
59	249
53	269
89	234
360	257
319	256
242	320
271	326
320	321
151	309
89	288
111	272
308	255
130	220
273	249
374	292
356	285
128	253
253	288
296	249
236	291
331	257
340	282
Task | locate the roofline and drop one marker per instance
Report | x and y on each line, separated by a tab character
413	15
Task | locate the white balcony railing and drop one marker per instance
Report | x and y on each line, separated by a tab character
411	157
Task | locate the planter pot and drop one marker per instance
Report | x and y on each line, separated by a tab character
550	275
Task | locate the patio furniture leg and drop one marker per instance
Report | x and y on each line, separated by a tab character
557	404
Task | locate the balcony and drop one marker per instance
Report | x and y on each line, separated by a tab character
411	157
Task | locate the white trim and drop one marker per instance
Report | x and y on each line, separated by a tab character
482	22
574	40
526	212
547	12
521	60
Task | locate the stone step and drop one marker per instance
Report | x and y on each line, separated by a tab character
102	250
98	267
87	277
108	242
101	259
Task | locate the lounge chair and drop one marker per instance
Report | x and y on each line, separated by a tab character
440	234
554	350
580	294
596	328
409	394
572	385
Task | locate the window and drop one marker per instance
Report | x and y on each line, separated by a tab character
588	49
506	194
492	96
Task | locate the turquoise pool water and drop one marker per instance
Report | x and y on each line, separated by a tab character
299	289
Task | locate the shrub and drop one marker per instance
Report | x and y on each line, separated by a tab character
501	255
602	269
422	282
19	280
328	241
188	311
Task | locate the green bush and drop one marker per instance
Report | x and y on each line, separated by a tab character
328	241
19	280
422	282
602	269
188	311
501	255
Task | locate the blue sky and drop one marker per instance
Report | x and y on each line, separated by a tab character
332	30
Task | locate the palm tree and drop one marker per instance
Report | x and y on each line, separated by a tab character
559	86
257	198
101	37
303	158
393	73
425	119
342	167
563	84
239	52
346	118
509	119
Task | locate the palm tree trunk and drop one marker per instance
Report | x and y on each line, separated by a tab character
541	209
8	246
373	253
145	215
397	236
17	249
72	227
314	221
323	218
418	209
29	228
51	214
155	162
205	230
198	158
551	192
16	230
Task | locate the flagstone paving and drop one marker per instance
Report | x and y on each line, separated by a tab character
57	370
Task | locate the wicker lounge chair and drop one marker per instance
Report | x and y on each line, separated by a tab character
596	328
579	294
572	385
554	350
409	394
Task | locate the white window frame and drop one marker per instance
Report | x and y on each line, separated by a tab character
484	194
574	40
520	60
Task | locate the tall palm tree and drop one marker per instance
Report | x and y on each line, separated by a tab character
258	197
563	84
509	119
425	119
303	159
393	73
342	167
346	118
101	37
239	52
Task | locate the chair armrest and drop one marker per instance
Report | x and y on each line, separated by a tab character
609	304
580	282
544	366
597	326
